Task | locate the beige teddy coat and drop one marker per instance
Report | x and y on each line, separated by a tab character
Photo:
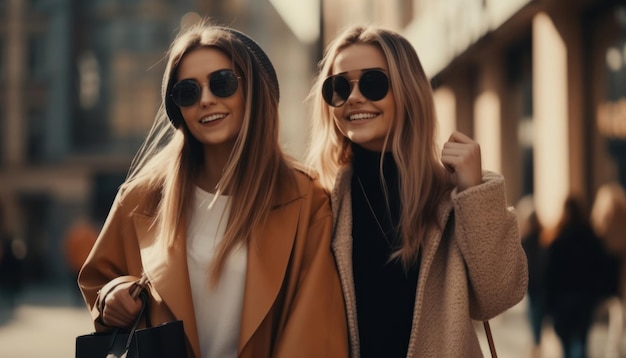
473	270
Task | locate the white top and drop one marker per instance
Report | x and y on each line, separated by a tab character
217	309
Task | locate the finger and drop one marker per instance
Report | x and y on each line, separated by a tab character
455	152
450	162
119	316
120	309
459	137
114	318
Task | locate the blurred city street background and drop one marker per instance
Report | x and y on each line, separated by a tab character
47	320
540	85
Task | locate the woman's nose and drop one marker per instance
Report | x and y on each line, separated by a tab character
355	94
206	96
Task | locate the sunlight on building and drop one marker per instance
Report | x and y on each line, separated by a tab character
302	17
551	119
445	106
487	129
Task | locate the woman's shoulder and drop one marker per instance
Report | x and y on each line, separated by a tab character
140	195
305	183
306	178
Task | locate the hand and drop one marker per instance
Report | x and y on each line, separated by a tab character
461	157
120	308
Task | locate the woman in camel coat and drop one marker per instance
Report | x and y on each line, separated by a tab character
232	236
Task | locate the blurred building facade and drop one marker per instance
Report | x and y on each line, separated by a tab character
79	88
540	84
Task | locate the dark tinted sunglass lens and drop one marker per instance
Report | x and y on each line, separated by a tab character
327	90
336	90
223	83
185	93
374	85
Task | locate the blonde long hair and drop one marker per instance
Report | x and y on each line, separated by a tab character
170	158
423	181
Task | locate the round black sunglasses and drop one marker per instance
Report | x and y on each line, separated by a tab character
222	83
373	85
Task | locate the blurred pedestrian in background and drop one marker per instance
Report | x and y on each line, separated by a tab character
535	247
608	217
12	255
580	274
77	243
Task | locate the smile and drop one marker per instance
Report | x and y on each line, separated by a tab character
359	116
212	118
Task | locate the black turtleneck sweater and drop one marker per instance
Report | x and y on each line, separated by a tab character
385	293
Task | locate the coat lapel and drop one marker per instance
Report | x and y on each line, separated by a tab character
269	252
429	249
341	202
167	270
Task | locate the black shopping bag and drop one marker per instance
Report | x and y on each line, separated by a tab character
166	340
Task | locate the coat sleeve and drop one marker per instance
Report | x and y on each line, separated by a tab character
487	234
113	260
313	318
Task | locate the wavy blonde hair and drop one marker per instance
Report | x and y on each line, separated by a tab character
423	181
170	158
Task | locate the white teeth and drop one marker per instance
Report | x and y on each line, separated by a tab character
212	118
357	116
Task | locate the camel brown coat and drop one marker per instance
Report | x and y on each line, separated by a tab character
292	305
473	269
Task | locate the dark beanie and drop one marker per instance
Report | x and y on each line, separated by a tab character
259	55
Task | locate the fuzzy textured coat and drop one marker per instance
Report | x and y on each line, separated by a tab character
293	304
472	270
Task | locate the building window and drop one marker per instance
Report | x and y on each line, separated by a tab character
609	77
3	52
2	133
35	137
36	56
519	78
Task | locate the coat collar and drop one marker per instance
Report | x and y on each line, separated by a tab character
166	269
341	202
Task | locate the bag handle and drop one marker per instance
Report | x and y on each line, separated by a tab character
492	346
138	289
144	305
139	285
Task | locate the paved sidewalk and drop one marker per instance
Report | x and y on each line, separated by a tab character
512	336
47	321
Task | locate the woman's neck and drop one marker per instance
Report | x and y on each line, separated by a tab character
215	162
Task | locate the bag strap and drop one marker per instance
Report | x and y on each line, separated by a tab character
140	289
139	286
131	334
492	346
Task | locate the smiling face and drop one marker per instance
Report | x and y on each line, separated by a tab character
361	120
214	121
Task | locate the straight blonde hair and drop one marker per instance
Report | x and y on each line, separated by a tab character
423	181
170	158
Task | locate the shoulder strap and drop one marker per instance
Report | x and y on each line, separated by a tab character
492	346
